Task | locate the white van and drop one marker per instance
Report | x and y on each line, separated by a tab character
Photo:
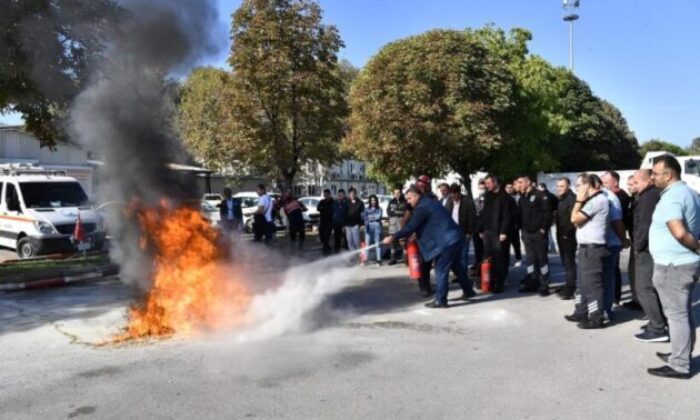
39	209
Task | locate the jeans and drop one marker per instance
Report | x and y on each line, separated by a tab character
610	263
450	259
352	234
675	286
373	235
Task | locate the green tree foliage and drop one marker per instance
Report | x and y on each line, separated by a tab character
285	101
694	148
477	100
658	145
201	116
48	48
421	102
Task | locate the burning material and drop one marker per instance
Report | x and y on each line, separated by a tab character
193	286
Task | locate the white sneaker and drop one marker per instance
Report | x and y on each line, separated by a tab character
518	264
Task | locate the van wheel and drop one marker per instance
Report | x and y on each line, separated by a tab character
26	248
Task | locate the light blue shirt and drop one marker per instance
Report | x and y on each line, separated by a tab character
615	213
678	202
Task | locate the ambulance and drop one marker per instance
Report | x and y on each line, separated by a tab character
39	209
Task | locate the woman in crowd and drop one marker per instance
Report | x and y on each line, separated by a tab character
294	210
372	217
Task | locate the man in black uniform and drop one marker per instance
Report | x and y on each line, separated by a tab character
478	242
325	220
494	228
566	236
535	221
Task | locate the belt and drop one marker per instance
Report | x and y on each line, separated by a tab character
591	245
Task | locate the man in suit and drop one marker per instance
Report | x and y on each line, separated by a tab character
462	210
230	212
494	226
440	239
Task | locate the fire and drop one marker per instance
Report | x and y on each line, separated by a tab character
193	288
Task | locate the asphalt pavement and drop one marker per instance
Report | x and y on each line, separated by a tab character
372	351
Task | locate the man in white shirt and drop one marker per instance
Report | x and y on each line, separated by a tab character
463	213
263	225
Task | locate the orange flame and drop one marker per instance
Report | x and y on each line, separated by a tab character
193	288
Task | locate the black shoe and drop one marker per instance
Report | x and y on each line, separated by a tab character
576	317
527	289
591	324
392	262
632	305
470	293
668	372
435	304
465	297
663	356
426	293
566	296
652	337
543	292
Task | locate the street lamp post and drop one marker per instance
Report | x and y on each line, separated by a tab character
570	14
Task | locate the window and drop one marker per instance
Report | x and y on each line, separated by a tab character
11	199
53	194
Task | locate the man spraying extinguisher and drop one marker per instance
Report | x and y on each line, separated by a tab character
440	239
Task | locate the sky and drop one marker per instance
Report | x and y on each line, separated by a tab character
641	55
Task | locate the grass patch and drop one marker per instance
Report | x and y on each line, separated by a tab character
36	265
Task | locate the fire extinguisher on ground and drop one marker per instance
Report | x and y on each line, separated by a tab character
413	259
486	275
363	254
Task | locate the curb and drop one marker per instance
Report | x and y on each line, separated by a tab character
59	281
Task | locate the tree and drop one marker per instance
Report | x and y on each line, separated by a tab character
48	48
429	104
694	148
657	145
201	117
285	102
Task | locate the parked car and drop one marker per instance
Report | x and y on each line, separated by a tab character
213	199
211	212
311	216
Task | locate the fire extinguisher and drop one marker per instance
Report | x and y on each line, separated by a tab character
413	258
363	254
486	275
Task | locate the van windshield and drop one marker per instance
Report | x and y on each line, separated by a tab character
53	194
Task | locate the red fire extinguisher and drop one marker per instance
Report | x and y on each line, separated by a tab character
363	254
413	258
486	275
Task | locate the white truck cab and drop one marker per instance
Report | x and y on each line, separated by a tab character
39	209
690	167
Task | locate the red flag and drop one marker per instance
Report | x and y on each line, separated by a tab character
79	232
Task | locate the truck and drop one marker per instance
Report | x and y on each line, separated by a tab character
39	210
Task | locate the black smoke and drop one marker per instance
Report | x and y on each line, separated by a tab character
126	113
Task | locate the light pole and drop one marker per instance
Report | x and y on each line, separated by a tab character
570	14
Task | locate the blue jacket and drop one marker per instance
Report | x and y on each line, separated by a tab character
372	215
434	227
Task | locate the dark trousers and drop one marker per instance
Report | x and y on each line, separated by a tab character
567	253
589	296
632	275
478	251
297	234
536	248
325	229
646	293
514	239
338	238
618	283
263	229
498	252
424	280
450	259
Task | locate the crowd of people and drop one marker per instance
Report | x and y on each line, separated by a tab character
592	221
